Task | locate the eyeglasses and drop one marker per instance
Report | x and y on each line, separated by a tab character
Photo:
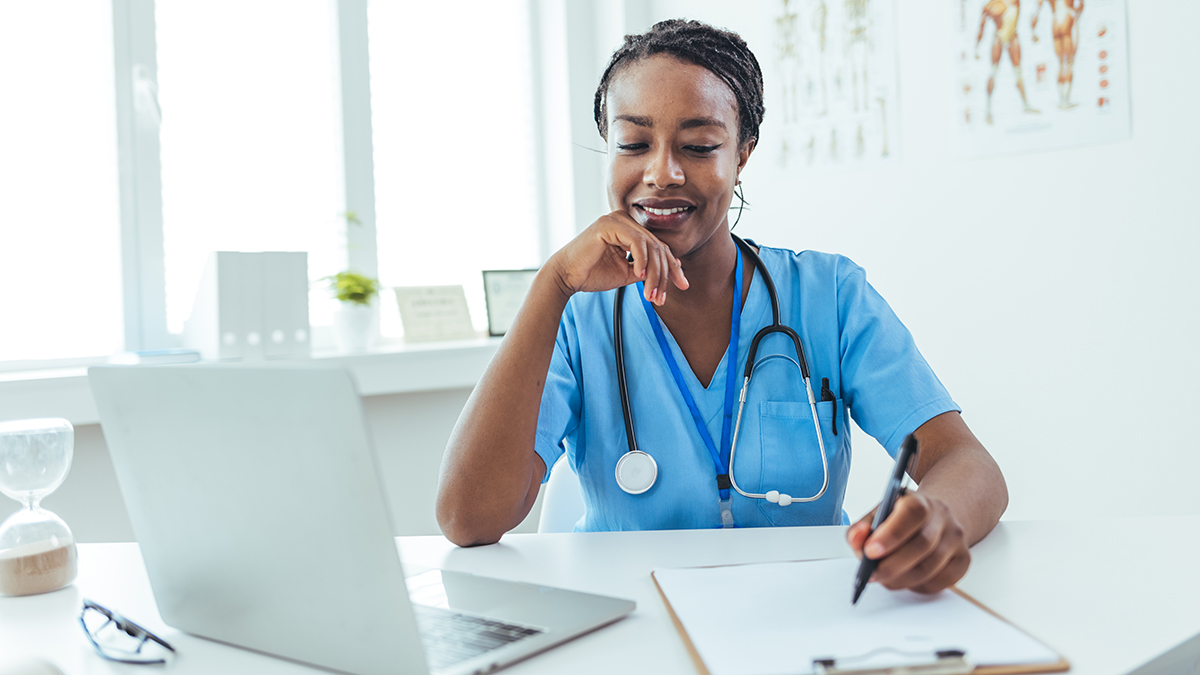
125	641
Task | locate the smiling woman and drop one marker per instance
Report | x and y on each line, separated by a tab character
680	109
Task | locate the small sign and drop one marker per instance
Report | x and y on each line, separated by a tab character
432	313
505	291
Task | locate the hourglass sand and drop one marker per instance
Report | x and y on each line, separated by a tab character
37	549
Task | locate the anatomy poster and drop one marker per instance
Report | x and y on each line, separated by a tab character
1039	74
831	80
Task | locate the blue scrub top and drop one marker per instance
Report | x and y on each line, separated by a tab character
850	335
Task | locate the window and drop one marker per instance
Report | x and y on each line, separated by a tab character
251	154
60	246
453	117
220	127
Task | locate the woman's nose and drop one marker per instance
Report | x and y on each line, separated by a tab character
664	170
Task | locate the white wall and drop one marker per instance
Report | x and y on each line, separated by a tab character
1056	294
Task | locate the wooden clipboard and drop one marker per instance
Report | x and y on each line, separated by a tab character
1059	666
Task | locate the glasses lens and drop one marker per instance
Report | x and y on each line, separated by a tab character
119	640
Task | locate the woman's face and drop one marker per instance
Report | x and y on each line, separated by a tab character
673	150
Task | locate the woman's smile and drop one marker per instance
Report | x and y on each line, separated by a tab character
662	214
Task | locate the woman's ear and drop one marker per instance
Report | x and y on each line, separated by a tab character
744	153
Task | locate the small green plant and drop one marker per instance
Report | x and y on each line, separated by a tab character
351	287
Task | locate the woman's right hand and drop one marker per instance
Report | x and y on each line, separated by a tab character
596	260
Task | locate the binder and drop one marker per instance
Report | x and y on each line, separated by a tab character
285	325
251	306
726	614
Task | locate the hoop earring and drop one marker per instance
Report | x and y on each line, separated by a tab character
742	203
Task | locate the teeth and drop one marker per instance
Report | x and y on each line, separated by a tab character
665	212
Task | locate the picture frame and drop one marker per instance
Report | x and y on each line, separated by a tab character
504	292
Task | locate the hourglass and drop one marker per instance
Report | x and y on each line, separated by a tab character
37	549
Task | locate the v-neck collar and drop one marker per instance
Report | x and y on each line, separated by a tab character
756	306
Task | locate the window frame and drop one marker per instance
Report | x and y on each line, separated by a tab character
140	179
564	209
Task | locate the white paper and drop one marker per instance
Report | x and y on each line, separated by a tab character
432	313
775	618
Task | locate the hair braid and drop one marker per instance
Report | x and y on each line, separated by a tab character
722	52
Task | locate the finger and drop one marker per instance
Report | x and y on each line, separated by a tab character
949	575
632	276
639	258
919	559
653	272
623	231
677	275
857	533
907	518
631	244
664	276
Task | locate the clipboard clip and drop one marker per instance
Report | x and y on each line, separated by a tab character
946	662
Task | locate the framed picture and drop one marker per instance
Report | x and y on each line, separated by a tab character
504	291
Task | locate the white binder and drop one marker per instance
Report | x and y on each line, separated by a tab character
251	306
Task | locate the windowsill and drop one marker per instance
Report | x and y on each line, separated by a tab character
393	369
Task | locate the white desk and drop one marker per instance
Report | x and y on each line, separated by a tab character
1110	596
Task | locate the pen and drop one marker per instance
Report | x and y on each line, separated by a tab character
905	461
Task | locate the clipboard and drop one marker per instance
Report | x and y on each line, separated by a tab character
939	660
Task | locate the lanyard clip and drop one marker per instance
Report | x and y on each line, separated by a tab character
726	513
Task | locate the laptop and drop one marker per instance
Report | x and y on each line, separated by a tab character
255	496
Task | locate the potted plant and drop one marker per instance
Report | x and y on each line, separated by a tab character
355	321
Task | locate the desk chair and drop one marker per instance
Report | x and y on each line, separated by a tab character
562	504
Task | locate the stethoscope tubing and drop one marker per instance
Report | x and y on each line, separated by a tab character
812	405
619	349
751	363
775	327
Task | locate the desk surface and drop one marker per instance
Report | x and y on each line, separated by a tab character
1110	596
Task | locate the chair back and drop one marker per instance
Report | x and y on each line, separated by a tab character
562	503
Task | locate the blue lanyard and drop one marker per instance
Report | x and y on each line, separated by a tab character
721	458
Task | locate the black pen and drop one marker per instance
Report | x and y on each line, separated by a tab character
905	461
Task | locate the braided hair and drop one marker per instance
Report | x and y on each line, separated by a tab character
722	52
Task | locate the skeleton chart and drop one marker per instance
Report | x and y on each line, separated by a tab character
831	81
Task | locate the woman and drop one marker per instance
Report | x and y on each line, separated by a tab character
680	108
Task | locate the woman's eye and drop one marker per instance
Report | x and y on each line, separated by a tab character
702	149
628	147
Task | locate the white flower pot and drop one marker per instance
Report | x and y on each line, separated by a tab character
355	327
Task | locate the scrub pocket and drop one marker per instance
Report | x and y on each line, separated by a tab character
791	461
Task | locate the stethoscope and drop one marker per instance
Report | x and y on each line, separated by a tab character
637	471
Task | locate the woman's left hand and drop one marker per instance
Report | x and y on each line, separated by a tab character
921	546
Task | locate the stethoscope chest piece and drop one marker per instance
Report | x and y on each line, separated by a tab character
636	472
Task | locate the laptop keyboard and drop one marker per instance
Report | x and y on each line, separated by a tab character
450	637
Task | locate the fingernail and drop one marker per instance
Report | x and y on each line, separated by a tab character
642	275
653	293
874	549
662	298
